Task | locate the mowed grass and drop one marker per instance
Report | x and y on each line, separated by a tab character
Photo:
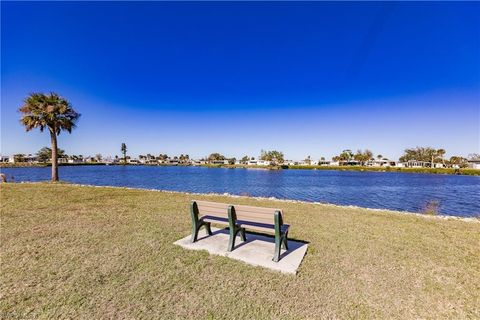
86	252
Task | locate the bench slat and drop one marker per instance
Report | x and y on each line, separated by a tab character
212	209
256	213
262	218
259	210
214	219
215	205
265	229
221	214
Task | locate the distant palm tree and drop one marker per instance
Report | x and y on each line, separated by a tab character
367	155
49	111
124	152
441	154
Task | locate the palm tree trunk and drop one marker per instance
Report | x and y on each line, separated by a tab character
53	138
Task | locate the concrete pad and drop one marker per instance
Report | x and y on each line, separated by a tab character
257	250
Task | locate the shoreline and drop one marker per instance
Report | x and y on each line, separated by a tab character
442	171
228	195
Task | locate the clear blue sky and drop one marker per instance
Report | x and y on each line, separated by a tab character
235	78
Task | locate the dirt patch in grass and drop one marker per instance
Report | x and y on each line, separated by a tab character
86	252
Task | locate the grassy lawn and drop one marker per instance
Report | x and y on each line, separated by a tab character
86	252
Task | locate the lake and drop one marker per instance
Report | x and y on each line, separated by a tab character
456	195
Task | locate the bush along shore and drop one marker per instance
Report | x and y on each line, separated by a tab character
461	171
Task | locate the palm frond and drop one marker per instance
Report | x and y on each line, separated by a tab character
48	110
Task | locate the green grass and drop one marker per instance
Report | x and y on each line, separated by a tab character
86	252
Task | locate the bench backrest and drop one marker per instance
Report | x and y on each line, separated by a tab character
246	213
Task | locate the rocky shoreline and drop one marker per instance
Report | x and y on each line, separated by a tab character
351	207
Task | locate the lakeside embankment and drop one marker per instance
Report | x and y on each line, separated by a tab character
425	214
93	252
461	171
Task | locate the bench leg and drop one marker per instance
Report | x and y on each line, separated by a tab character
243	236
197	223
231	241
209	228
281	242
285	241
194	233
276	255
196	228
233	234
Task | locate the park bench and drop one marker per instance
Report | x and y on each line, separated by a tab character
238	218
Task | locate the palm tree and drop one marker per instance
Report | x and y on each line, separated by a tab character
124	152
441	154
49	111
432	155
367	155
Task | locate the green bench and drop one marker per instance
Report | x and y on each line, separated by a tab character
238	218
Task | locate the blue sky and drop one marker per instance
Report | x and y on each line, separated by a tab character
238	77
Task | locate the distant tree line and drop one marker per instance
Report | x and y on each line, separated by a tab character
275	157
426	155
45	154
432	155
361	156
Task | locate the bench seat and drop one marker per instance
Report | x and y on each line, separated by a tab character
260	227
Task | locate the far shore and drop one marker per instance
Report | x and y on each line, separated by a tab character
450	171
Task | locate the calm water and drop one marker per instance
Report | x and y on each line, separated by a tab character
456	195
